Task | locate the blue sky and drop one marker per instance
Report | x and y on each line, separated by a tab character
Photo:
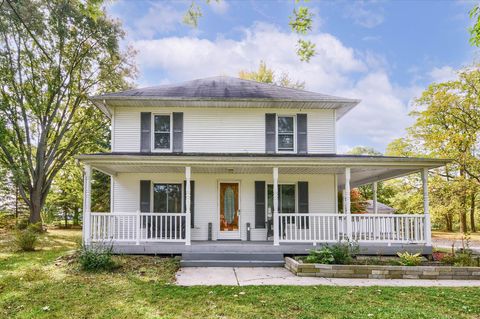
382	52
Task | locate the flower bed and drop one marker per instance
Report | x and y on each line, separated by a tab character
381	272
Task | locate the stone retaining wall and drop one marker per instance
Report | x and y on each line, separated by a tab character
381	272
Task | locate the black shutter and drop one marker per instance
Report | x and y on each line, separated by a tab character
270	128
145	132
302	134
145	196
177	132
259	204
303	202
192	201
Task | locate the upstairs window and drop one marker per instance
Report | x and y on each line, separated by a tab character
162	132
286	133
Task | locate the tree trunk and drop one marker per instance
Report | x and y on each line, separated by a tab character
463	209
472	214
449	223
36	205
76	215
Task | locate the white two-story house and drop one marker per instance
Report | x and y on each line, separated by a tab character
222	161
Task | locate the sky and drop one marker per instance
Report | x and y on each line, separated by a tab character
382	52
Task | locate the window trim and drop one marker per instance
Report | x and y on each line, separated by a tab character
266	198
152	194
161	150
294	116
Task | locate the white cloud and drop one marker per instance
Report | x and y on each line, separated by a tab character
366	14
442	74
336	69
381	116
160	18
219	7
190	57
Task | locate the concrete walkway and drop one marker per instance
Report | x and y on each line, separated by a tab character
228	276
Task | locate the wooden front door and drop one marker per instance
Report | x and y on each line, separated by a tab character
229	210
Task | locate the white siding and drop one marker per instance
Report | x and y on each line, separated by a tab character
222	130
127	130
127	185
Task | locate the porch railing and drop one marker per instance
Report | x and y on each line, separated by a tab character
293	228
137	227
385	228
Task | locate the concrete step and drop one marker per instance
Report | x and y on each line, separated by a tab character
231	263
232	256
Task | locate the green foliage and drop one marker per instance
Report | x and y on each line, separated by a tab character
344	252
266	75
475	29
320	256
407	259
192	15
447	125
22	224
96	258
54	54
35	228
26	239
341	253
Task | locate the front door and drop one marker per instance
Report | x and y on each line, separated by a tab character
229	211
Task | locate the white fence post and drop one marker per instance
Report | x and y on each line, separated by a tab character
426	212
276	222
87	187
187	206
137	227
346	204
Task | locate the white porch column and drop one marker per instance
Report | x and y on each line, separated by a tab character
426	212
188	213
346	203
375	206
276	228
87	191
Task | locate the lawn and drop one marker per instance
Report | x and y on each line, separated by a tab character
48	284
454	236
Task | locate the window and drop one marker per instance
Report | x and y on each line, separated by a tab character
286	133
161	132
286	198
167	198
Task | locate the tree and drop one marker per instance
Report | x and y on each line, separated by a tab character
266	75
448	125
53	54
301	23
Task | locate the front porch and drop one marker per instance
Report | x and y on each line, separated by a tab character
149	232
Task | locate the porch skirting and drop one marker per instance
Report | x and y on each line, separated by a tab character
257	247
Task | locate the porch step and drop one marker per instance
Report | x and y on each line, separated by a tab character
231	259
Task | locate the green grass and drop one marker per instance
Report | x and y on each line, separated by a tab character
48	284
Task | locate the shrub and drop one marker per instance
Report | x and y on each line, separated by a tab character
96	258
36	227
26	239
341	253
344	252
22	224
407	259
320	256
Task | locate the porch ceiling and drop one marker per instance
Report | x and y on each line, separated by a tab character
364	169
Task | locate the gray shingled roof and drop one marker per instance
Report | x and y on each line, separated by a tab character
223	87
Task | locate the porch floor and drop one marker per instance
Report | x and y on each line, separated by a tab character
258	247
